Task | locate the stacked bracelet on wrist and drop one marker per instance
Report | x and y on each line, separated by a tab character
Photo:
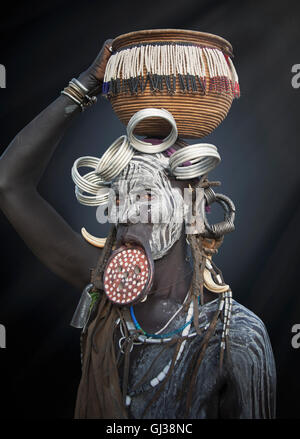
79	94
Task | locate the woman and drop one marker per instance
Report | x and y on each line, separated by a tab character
192	375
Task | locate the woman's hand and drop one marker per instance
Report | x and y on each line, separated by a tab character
92	78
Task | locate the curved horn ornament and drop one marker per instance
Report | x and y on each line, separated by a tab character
209	283
93	240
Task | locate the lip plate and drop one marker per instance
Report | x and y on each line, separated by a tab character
133	256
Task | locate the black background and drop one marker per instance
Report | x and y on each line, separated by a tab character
44	45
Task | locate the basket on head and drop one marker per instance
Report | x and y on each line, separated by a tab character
188	73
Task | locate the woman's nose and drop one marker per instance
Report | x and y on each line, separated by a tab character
130	233
136	235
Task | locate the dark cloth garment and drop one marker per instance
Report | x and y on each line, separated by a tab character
245	388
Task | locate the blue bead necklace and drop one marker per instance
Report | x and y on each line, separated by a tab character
138	326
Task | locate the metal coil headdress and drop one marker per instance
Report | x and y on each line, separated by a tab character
185	162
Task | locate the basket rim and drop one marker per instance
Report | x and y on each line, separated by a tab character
182	35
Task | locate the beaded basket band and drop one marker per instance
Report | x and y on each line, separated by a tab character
196	67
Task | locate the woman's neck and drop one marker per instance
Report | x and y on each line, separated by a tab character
172	280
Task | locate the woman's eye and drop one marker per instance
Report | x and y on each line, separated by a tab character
145	196
148	195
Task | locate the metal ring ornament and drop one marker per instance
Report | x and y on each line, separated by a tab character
115	159
203	158
146	147
227	225
122	341
91	200
89	183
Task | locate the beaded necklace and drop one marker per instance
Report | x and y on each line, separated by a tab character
226	298
162	375
156	335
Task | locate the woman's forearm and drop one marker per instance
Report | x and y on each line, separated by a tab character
27	156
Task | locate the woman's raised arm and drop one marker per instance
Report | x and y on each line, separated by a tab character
22	165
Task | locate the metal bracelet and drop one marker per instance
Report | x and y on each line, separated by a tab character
203	157
146	147
76	89
115	159
81	86
63	92
87	99
79	94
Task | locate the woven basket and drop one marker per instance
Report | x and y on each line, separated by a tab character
197	113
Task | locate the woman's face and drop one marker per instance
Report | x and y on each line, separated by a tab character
143	194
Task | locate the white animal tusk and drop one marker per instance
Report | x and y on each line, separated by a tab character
97	242
210	284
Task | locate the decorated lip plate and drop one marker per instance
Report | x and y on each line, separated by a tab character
127	276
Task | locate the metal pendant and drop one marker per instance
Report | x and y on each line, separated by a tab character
81	315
